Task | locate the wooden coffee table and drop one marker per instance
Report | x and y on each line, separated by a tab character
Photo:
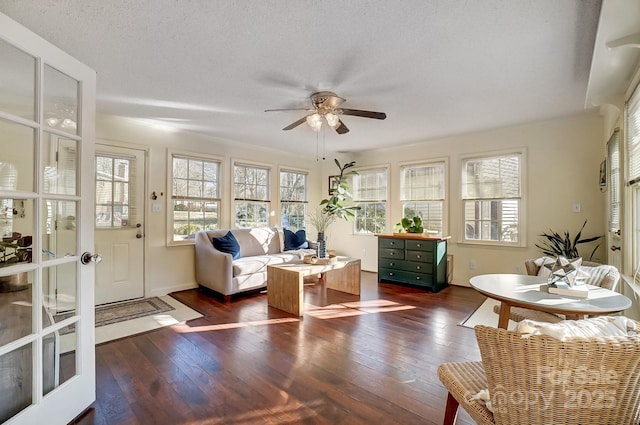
285	282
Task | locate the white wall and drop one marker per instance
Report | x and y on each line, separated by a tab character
563	159
171	268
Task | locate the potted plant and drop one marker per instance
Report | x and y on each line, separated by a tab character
413	225
14	248
555	245
333	207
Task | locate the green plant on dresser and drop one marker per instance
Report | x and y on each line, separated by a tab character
414	260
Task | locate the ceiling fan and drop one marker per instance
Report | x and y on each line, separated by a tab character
326	107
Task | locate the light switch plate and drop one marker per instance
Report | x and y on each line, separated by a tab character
576	207
156	208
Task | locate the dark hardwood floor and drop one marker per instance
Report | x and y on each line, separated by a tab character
350	360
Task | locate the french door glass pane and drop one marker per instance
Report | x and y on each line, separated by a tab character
59	229
59	357
16	307
60	158
60	100
17	367
16	156
17	75
59	292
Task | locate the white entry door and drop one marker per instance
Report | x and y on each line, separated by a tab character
119	235
47	120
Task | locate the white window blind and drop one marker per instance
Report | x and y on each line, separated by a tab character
491	178
422	182
613	168
633	137
370	185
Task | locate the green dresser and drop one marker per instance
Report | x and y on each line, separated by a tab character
413	259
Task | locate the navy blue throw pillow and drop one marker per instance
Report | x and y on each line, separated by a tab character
229	244
297	240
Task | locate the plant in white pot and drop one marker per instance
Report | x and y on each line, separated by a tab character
333	207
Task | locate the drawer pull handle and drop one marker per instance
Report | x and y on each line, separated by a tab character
392	243
418	267
392	264
392	253
390	273
418	256
417	277
419	245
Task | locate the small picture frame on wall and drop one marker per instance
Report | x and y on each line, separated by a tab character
333	184
603	174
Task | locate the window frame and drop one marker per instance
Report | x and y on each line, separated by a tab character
305	203
522	200
356	202
236	201
171	154
632	182
446	194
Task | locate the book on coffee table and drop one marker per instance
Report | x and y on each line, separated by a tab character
561	288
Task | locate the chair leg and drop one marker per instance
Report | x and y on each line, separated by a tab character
451	410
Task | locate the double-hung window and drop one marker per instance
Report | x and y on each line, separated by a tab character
293	199
422	192
370	194
632	121
195	195
492	198
251	195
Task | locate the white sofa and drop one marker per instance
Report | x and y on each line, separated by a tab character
259	247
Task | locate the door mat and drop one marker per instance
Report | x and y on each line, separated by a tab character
114	313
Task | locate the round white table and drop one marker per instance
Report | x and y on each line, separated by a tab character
517	290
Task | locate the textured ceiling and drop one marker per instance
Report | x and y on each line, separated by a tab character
437	67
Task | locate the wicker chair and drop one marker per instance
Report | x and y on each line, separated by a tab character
542	380
609	281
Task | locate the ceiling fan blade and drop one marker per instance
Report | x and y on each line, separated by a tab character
295	124
341	128
289	109
364	114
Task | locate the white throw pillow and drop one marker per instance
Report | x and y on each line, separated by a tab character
602	326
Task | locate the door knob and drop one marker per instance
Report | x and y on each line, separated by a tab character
88	257
615	248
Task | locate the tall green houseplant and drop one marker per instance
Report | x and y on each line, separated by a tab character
333	207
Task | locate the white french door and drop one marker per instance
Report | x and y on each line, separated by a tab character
47	120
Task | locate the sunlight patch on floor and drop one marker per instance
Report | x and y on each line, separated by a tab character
185	328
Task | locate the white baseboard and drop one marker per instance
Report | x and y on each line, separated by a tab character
158	292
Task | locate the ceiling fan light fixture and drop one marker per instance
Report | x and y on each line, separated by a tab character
332	119
314	121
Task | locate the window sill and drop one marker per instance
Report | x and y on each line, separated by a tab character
629	281
491	244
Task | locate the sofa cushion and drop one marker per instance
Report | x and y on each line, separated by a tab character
227	243
258	263
297	240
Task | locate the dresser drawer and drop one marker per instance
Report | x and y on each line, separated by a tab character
414	245
405	277
420	256
412	266
391	253
392	263
391	243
